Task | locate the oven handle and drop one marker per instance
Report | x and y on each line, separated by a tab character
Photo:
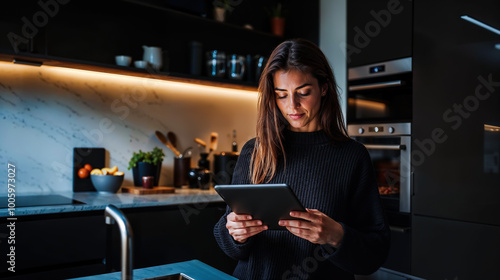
386	147
376	85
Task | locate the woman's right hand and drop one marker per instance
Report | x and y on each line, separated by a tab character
241	227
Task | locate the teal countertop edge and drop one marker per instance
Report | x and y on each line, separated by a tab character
194	269
98	201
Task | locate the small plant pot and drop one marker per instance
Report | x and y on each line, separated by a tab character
146	169
278	26
220	14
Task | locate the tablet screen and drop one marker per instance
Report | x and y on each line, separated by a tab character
266	202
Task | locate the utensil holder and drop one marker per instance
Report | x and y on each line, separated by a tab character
182	165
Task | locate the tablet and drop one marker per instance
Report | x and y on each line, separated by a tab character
266	202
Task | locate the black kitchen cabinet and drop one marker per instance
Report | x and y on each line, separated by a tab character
172	234
378	30
94	32
70	245
456	141
448	249
55	246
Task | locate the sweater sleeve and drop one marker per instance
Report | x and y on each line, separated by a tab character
233	249
365	245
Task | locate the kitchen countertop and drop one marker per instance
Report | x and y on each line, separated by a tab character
98	201
193	268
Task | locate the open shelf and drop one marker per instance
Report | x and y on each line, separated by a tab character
204	20
39	60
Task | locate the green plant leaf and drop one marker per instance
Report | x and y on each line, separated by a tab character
154	157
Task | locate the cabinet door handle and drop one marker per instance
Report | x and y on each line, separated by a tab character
376	85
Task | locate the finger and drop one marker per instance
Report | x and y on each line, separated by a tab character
249	231
243	234
294	223
234	217
311	215
300	232
244	224
242	217
313	211
302	215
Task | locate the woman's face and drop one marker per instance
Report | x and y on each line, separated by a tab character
298	97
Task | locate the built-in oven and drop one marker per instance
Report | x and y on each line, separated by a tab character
389	146
379	115
380	93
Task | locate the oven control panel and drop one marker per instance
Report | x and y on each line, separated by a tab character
379	129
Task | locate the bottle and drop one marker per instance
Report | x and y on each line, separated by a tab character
234	144
204	162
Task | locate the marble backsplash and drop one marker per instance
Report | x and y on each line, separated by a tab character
46	111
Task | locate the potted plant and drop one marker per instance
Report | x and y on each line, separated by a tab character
277	19
220	8
146	164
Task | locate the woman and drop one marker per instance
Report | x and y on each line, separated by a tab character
301	140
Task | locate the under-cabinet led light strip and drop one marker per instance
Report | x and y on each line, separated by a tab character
179	86
480	24
489	127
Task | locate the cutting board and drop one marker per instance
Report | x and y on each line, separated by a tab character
82	156
141	190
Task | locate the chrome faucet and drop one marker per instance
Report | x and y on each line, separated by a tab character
113	215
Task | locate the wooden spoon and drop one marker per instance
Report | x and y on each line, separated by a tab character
172	138
164	140
200	142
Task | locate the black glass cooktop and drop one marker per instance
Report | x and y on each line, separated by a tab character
38	200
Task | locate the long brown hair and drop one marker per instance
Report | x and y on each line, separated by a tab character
306	57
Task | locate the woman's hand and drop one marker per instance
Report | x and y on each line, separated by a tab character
241	227
317	228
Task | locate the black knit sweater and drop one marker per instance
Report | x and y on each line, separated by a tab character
337	178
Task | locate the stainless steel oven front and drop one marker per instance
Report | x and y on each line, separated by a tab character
389	146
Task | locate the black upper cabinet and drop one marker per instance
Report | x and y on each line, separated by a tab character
456	140
456	116
378	30
96	31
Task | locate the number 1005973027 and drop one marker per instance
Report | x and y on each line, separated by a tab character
11	186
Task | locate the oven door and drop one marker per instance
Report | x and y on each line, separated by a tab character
391	171
380	93
389	146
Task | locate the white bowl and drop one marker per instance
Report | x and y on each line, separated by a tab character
123	60
140	64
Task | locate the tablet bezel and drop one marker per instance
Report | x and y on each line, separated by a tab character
266	202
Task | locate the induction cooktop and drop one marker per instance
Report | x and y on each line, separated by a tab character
38	200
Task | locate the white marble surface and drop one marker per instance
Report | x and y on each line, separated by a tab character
47	111
99	201
194	268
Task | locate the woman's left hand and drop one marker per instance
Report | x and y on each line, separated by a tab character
315	227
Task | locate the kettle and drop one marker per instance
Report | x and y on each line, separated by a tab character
153	55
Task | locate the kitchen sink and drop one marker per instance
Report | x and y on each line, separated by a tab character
178	276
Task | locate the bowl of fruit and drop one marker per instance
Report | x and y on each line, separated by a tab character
107	180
